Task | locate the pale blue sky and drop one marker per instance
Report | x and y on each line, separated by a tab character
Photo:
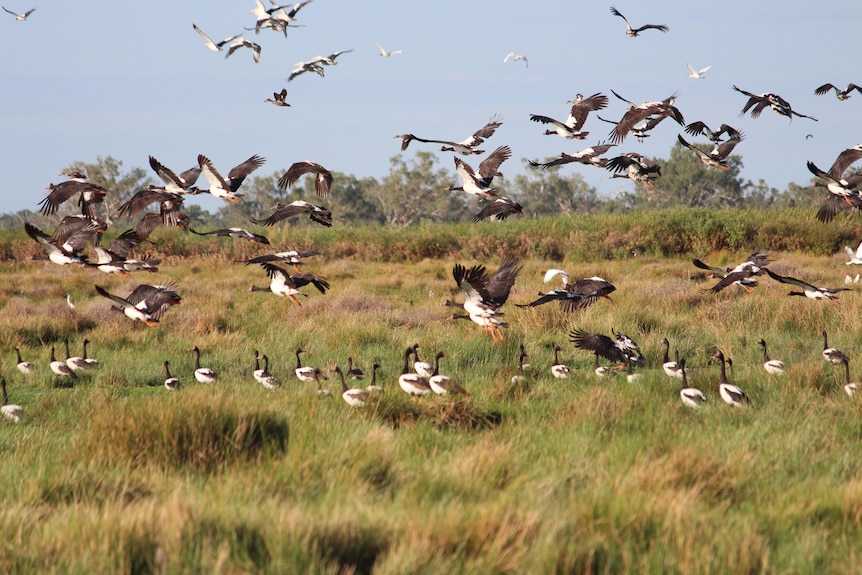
96	78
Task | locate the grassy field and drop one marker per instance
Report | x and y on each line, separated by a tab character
117	474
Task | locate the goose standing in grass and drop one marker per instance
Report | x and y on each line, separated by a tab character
226	189
839	93
855	256
423	368
412	384
304	373
829	295
559	370
24	367
171	383
631	376
10	411
75	363
353	396
690	396
522	355
60	368
202	374
831	354
635	32
731	394
850	388
673	369
443	384
373	387
263	376
354	372
772	366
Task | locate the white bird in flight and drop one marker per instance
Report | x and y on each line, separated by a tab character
855	256
384	53
697	74
515	57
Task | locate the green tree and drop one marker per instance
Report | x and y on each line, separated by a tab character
546	192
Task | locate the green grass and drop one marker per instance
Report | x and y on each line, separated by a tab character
586	475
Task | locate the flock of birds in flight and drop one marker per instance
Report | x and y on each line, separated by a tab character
484	294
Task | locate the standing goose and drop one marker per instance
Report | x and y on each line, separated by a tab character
559	370
75	363
263	376
521	357
831	354
673	369
772	366
443	384
423	368
303	373
374	387
690	396
10	411
353	396
731	394
60	368
171	382
412	384
354	372
202	374
24	367
850	388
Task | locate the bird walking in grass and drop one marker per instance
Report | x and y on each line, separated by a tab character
202	374
690	396
353	396
10	411
730	393
772	366
171	383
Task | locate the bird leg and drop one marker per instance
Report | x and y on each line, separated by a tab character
294	300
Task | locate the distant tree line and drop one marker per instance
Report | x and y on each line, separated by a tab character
414	191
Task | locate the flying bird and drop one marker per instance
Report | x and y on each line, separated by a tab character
303	67
384	53
182	184
619	349
742	275
237	233
329	60
226	189
292	257
284	285
465	147
635	167
808	290
639	112
170	205
484	295
499	209
634	32
839	93
480	185
90	195
146	303
588	156
843	191
283	211
515	57
700	128
577	295
243	43
322	177
214	46
278	98
855	256
717	157
20	17
758	103
65	252
697	74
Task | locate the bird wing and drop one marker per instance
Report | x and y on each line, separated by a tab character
489	166
472	281
704	266
210	173
209	41
500	284
599	344
167	176
124	242
102	292
240	172
844	160
792	281
501	208
616	12
661	27
304	279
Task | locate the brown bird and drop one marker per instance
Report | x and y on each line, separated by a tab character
843	191
839	93
638	112
322	182
278	98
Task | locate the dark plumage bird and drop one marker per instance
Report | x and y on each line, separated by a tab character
465	147
484	295
182	184
209	43
170	205
742	275
283	211
499	209
284	285
89	194
226	189
581	107
278	98
322	177
66	252
639	112
243	43
700	128
579	294
844	192
115	258
717	157
588	156
808	290
619	349
480	185
839	93
757	103
146	303
634	32
303	67
20	17
635	167
237	233
292	257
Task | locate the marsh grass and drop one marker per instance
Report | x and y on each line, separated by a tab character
587	475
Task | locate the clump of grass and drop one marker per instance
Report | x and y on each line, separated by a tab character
189	430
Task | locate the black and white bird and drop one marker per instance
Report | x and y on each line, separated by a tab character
292	257
214	46
303	67
172	383
243	43
772	366
484	295
262	375
635	167
90	195
717	157
146	303
620	349
202	374
515	57
384	52
854	256
588	156
25	367
75	363
59	367
170	208
443	384
236	233
810	291
700	128
839	93
353	396
304	373
329	60
285	285
850	388
634	32
284	211
571	128
559	369
278	98
672	368
177	184
844	192
730	393
322	177
10	411
421	367
20	17
411	383
742	275
480	185
579	294
690	396
466	147
637	113
226	189
498	209
68	251
831	354
759	102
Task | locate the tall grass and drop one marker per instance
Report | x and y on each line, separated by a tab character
117	474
